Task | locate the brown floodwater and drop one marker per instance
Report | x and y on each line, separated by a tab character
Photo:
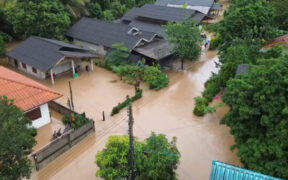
199	139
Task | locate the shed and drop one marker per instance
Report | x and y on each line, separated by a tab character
242	69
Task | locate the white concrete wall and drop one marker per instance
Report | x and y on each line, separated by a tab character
99	49
65	66
45	117
40	74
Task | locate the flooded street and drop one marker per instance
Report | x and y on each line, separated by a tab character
199	139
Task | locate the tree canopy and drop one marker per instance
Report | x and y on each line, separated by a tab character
16	137
2	45
155	158
249	20
185	38
46	18
258	116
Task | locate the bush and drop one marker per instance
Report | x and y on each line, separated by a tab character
200	105
211	88
65	119
155	78
116	109
79	120
215	42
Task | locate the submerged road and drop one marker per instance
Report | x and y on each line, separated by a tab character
199	139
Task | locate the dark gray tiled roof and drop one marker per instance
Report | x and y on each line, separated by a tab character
242	69
205	3
43	53
162	13
106	33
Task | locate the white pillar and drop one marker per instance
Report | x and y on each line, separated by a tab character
52	77
73	68
92	64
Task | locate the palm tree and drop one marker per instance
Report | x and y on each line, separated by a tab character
76	7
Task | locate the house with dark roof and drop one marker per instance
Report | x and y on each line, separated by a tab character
151	17
203	6
99	36
30	96
45	58
222	171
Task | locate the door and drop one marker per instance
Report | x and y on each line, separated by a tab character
16	63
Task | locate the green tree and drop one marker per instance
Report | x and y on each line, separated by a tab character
247	19
258	116
160	158
108	15
46	18
76	8
186	40
113	160
155	158
118	55
281	13
95	10
2	46
16	137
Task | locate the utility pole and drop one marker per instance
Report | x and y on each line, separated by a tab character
131	146
71	96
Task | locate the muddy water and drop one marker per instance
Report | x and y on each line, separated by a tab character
169	111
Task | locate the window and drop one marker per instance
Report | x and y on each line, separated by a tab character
24	65
34	114
34	70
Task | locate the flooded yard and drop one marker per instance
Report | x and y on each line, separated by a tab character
199	139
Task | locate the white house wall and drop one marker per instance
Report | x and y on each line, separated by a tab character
40	74
45	117
99	49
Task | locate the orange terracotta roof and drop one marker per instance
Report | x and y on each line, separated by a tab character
27	94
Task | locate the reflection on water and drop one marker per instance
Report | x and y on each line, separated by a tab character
169	111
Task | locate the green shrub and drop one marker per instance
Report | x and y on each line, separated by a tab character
200	106
79	120
211	88
65	119
155	78
116	109
215	42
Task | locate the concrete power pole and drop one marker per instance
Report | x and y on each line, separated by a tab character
131	146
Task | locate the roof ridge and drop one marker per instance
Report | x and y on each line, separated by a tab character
47	40
41	88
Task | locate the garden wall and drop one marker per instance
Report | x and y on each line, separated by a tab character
63	143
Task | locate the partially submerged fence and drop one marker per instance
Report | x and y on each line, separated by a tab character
63	143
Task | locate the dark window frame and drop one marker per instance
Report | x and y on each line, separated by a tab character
34	70
34	114
24	65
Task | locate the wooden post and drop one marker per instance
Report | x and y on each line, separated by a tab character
71	96
103	114
73	68
52	77
92	64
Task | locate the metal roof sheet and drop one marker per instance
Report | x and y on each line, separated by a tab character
222	171
106	33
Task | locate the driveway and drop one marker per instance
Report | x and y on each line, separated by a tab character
199	139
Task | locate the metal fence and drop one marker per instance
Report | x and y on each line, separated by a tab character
63	143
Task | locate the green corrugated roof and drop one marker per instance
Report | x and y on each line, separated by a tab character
222	171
